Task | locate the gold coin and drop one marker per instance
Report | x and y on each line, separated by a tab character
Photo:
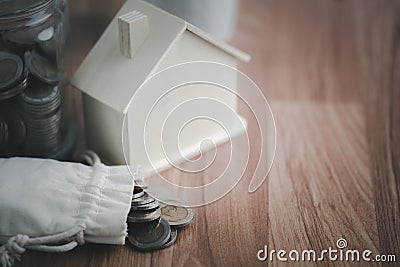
176	215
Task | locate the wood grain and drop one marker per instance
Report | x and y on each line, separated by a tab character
382	91
331	70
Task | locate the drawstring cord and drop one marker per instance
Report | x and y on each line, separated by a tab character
88	157
16	245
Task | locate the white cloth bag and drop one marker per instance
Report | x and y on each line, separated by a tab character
53	206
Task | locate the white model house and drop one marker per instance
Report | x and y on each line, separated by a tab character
140	41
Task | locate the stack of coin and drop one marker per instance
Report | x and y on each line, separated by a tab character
13	129
13	78
41	106
146	229
31	124
153	225
43	68
67	134
31	79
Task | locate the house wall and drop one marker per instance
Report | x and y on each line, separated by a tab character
102	124
105	139
189	47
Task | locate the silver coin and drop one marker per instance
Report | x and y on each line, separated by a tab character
7	94
172	238
173	202
143	228
24	39
137	192
45	34
47	41
37	130
177	216
141	217
11	69
145	199
45	122
40	94
44	134
13	79
42	68
153	240
66	140
16	128
40	126
149	206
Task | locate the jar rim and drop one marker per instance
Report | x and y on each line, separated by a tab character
24	13
19	9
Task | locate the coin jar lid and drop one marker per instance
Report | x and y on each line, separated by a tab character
154	240
11	70
42	68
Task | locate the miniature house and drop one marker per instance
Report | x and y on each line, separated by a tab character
140	41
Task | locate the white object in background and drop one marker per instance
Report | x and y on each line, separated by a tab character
133	30
109	81
218	17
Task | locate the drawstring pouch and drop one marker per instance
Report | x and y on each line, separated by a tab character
54	206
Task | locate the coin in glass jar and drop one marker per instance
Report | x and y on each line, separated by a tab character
12	76
43	68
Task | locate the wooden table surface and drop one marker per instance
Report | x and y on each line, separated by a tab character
331	71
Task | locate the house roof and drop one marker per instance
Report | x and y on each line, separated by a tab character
105	67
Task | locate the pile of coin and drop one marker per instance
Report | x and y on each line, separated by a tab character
153	225
13	77
30	101
31	81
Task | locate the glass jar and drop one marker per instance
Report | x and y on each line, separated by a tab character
32	80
